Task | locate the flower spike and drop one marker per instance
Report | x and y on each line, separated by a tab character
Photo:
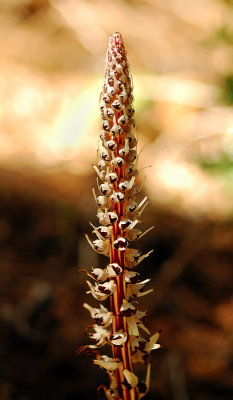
119	210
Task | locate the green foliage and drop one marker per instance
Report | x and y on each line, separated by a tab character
225	164
228	89
223	35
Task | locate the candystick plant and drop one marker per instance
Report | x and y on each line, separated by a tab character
118	214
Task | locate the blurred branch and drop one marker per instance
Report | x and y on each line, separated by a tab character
176	370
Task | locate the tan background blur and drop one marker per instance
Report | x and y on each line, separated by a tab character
52	60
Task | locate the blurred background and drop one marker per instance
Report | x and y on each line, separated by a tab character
52	61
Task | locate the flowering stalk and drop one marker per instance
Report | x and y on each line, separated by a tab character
118	214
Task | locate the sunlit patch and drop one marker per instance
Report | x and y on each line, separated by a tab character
228	141
27	101
176	176
72	127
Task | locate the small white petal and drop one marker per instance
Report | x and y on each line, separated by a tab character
140	294
118	338
147	382
133	329
131	378
151	344
109	363
144	328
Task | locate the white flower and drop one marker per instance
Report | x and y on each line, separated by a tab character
131	277
99	338
134	257
99	245
113	270
118	338
136	290
101	291
101	315
98	274
127	309
141	348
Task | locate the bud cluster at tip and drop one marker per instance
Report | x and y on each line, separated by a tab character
118	215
